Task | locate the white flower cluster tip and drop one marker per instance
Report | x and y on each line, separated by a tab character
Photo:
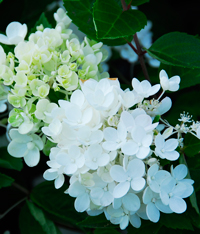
112	152
50	60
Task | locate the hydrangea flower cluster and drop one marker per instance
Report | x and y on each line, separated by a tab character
50	59
110	144
109	141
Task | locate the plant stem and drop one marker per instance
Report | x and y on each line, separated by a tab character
22	189
12	207
138	51
141	58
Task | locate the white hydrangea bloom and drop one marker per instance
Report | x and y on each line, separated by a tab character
56	171
166	149
26	146
82	194
60	16
132	177
155	177
171	84
15	32
172	194
144	88
105	137
154	205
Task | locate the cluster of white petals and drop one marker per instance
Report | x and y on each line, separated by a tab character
50	60
15	33
110	142
111	153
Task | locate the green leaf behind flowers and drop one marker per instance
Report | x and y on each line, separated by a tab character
32	220
47	225
177	49
5	180
59	206
193	198
9	162
112	22
96	222
83	9
191	145
42	20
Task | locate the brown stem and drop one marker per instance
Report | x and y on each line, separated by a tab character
129	5
12	207
132	46
138	51
124	6
24	190
141	58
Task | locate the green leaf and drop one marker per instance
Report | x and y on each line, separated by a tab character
55	96
176	221
96	222
81	13
106	231
47	225
27	223
47	147
42	20
58	205
136	2
195	176
5	180
186	100
189	77
195	218
146	225
116	23
177	49
9	162
193	198
191	145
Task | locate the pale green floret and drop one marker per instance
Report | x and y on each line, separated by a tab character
16	101
80	60
51	65
39	88
91	70
73	66
52	38
2	70
43	110
69	83
20	79
19	91
24	51
40	27
64	71
74	48
23	66
65	57
15	118
45	78
82	73
31	77
43	91
7	76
